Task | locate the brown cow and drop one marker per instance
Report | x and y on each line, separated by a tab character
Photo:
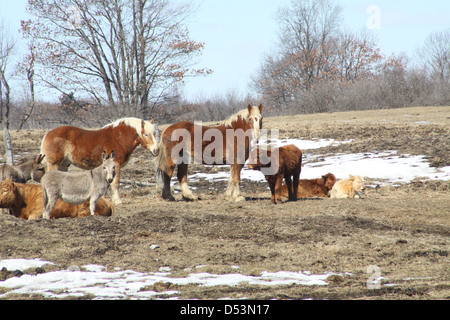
275	164
25	201
308	188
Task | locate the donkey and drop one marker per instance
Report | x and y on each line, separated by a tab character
33	169
77	187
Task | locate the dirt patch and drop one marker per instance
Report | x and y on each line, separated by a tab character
404	231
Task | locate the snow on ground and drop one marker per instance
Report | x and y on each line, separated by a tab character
128	284
386	167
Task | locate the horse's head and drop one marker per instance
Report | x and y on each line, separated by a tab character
109	166
255	121
150	136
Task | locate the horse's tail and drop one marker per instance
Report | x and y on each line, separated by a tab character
161	167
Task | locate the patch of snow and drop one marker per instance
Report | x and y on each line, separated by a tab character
94	280
304	144
387	167
22	264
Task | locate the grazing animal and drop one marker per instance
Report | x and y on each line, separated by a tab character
286	162
25	201
308	188
78	186
348	188
83	148
227	143
33	169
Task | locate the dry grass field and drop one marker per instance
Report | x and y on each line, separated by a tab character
403	230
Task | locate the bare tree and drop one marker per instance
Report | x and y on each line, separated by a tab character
356	57
307	26
7	43
27	67
127	54
435	54
315	57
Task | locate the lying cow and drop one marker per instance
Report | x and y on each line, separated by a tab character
287	164
348	188
33	169
309	188
25	201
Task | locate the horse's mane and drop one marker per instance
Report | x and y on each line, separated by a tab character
134	123
243	114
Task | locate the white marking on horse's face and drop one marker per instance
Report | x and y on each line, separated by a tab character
150	135
255	120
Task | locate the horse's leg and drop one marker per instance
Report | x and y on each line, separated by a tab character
115	197
182	179
229	190
233	191
166	176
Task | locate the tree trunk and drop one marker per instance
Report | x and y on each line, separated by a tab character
8	148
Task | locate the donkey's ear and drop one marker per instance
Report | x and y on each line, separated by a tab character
112	154
249	107
260	107
40	158
104	156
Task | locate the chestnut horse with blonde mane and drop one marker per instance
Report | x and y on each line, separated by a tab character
83	148
229	143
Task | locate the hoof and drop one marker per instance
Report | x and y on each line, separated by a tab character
117	202
238	199
168	197
190	198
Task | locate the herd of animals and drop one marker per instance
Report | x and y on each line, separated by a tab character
101	153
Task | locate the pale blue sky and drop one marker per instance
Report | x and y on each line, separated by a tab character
238	32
